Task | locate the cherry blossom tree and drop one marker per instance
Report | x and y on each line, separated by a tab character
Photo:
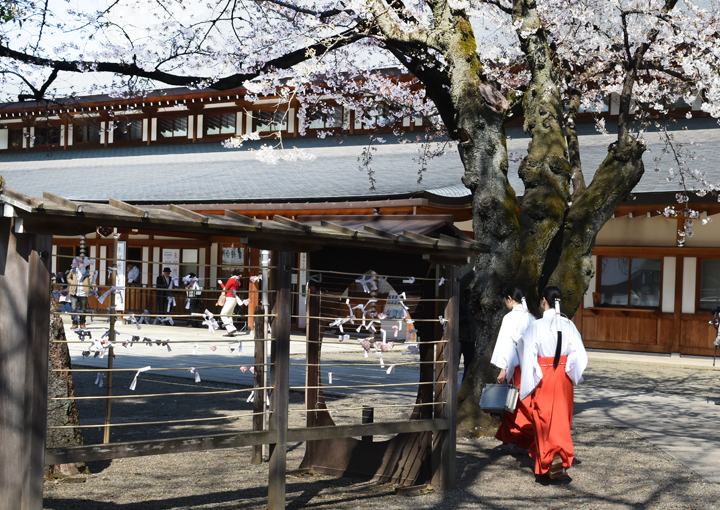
475	63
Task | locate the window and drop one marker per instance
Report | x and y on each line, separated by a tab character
379	116
220	124
47	136
86	133
189	262
15	138
127	131
709	284
271	121
328	117
630	282
171	128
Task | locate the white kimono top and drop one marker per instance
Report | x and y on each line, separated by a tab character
540	340
514	324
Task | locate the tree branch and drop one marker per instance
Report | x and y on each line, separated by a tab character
131	69
573	143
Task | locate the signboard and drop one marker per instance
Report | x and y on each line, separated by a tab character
120	275
171	259
233	255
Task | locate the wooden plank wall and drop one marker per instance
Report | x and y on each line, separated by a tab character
24	327
648	331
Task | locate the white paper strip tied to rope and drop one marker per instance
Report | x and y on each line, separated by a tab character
134	381
82	333
110	271
412	349
118	294
197	374
100	378
163	320
210	321
441	282
367	283
134	320
171	302
410	280
442	321
251	397
366	346
329	377
382	361
256	279
343	337
391	370
95	277
144	317
236	345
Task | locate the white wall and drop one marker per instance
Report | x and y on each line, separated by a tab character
639	231
705	236
688	288
668	284
4	138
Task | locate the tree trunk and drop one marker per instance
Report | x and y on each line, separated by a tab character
61	412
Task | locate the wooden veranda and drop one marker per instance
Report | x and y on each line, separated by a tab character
28	225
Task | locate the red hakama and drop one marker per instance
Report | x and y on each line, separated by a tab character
551	411
517	428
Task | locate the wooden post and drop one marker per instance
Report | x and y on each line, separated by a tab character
24	333
281	375
444	472
677	315
312	355
259	402
111	354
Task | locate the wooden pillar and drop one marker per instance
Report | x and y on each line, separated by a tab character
259	402
253	287
24	332
312	375
677	315
444	444
281	376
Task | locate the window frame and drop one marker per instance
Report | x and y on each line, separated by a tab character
174	138
219	113
598	285
273	111
117	128
81	125
37	128
698	284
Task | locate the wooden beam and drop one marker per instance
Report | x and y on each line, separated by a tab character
282	220
338	228
191	215
20	201
420	238
241	218
140	213
378	232
157	447
130	449
68	204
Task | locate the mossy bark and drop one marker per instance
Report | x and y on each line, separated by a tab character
61	412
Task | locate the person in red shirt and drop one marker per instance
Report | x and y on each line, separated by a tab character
231	288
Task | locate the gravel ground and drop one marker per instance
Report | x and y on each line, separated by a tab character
615	468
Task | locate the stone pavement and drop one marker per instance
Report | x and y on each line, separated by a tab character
687	427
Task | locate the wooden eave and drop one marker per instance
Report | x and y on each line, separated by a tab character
58	216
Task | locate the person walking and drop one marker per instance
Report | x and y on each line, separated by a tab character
231	289
79	284
553	359
516	428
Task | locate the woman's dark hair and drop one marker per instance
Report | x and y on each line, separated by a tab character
515	292
236	272
550	294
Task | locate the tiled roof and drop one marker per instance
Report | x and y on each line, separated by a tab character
206	172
